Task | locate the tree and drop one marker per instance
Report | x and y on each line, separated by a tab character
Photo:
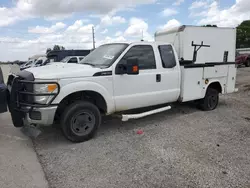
209	25
56	47
243	35
48	50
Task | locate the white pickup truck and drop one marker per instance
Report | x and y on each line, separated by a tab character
115	78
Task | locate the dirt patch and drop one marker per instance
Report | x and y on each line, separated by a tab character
247	87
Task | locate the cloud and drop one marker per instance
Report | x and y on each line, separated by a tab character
43	30
104	31
169	12
79	26
76	36
178	2
112	20
10	16
60	9
138	28
170	24
118	33
111	40
198	4
229	17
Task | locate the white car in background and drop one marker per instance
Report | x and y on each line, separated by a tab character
72	59
27	65
40	62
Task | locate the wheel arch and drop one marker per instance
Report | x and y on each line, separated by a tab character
87	90
215	84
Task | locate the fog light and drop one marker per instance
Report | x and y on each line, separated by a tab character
34	115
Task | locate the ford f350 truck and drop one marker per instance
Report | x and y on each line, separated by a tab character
115	78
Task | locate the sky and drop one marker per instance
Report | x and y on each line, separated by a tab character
29	27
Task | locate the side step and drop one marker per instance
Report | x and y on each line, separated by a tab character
127	117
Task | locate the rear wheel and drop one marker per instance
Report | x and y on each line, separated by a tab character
210	101
247	64
80	121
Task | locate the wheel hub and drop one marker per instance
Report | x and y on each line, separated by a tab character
82	123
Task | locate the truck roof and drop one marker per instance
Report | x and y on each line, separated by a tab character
141	42
183	27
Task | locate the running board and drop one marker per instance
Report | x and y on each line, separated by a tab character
127	117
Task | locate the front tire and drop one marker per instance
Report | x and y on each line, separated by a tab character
80	121
210	101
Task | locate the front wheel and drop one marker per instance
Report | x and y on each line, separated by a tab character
80	121
210	101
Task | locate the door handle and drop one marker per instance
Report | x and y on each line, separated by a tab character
158	78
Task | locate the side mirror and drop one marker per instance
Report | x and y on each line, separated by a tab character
132	66
129	66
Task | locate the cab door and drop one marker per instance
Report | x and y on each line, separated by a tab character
149	87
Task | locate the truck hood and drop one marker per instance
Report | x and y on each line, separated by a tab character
63	70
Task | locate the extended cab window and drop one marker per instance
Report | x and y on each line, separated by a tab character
144	54
73	60
167	56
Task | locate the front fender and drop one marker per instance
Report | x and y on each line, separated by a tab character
86	86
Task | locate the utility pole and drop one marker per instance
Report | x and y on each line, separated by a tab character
93	35
142	35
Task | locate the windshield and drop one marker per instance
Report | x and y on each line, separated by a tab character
29	63
105	55
65	60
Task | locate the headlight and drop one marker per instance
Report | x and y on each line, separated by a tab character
44	89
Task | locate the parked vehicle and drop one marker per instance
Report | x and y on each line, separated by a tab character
57	56
243	59
118	77
35	63
72	59
28	64
3	92
40	62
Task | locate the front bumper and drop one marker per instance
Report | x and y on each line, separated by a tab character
21	104
40	116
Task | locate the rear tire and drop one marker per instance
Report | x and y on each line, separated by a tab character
247	64
210	101
80	121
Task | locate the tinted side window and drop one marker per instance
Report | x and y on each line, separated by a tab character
80	58
39	62
73	60
144	54
167	56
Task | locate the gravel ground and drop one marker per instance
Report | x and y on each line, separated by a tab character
183	147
